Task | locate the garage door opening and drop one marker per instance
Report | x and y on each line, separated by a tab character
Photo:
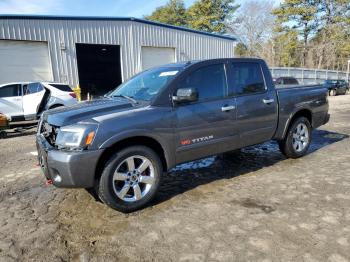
99	68
155	56
24	61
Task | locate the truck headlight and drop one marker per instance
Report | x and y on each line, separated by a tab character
75	137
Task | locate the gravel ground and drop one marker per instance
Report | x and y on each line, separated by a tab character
252	205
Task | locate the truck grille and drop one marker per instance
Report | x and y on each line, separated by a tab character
48	131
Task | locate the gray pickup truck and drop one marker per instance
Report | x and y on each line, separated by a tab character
120	145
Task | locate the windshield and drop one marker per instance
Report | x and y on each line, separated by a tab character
146	85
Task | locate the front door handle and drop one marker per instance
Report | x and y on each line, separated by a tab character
268	101
227	108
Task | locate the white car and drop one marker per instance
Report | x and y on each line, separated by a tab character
24	101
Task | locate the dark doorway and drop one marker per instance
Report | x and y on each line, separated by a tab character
98	68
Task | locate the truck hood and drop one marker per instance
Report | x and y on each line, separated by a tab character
85	111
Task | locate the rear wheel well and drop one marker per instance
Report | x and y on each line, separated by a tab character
302	113
305	113
132	141
55	106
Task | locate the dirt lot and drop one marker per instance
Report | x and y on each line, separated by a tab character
253	205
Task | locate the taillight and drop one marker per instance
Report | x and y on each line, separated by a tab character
73	95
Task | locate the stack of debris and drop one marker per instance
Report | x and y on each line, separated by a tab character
4	124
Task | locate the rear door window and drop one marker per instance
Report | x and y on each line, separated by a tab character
10	91
65	88
247	78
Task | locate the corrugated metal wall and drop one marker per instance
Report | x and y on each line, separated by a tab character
62	35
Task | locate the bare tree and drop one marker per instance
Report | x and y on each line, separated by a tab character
253	24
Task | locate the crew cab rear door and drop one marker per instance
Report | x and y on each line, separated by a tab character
33	94
257	105
205	127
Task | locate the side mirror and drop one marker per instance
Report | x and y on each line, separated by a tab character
185	95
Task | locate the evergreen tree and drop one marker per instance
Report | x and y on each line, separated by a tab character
210	15
173	13
300	15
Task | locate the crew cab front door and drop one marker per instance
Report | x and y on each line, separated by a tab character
11	101
205	127
257	105
33	93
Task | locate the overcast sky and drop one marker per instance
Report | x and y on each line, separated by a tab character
134	8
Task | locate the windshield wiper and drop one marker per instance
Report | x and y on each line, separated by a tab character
127	97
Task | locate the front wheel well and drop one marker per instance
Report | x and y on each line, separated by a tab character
132	141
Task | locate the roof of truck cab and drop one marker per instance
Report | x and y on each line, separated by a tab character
192	62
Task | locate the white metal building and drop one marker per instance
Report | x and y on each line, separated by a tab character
97	52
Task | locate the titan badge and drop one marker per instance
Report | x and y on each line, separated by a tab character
196	140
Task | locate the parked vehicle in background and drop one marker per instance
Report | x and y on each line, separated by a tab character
336	87
344	84
121	145
286	81
25	101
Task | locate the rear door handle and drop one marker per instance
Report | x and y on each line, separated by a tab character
268	101
227	108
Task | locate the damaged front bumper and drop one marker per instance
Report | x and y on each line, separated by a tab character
67	168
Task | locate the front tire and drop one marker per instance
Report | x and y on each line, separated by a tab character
130	179
298	139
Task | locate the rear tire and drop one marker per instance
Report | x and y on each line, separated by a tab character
298	138
130	179
333	92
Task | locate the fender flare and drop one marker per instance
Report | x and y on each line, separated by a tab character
291	116
165	144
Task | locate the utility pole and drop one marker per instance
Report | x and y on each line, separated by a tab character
347	72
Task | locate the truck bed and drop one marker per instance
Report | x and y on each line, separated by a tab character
292	98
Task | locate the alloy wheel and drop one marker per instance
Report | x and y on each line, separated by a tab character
300	137
133	178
